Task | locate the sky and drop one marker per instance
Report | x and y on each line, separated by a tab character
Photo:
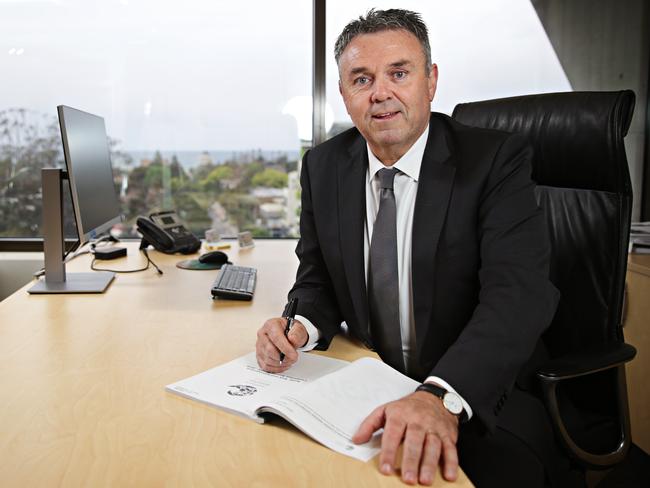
217	75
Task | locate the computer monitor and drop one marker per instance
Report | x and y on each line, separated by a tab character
94	201
85	146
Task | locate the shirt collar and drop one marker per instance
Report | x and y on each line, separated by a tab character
408	164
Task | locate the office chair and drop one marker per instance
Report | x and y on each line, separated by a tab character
584	187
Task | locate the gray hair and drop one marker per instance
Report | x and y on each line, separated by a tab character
382	20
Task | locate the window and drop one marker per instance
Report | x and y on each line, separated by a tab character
201	101
207	104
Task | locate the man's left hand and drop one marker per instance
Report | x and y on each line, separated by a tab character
429	433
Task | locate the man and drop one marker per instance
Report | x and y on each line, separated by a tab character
441	266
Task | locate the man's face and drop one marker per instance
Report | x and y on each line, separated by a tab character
386	90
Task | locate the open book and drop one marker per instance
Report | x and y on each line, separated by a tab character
325	398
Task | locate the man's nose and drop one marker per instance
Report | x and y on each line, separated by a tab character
381	91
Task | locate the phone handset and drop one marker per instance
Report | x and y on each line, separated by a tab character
166	233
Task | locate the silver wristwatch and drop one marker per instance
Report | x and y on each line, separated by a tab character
450	400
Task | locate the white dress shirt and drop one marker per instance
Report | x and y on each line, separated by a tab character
405	187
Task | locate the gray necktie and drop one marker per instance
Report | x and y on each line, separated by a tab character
383	289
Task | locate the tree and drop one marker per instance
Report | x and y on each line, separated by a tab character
177	170
214	180
154	176
29	141
271	178
249	170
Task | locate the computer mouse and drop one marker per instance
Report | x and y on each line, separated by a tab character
214	257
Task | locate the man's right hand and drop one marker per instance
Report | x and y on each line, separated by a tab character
271	341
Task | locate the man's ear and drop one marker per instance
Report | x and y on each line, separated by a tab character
433	81
340	89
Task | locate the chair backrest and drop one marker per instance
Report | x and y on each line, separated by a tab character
584	187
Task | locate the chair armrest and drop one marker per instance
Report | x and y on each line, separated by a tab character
587	362
590	361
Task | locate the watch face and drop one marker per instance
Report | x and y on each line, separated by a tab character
452	402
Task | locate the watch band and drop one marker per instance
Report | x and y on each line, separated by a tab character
436	390
441	392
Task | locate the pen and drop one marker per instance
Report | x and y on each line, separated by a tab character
289	314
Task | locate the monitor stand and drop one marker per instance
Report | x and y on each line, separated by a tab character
56	280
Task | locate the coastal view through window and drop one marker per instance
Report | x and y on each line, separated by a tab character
202	113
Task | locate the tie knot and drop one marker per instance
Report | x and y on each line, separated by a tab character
386	177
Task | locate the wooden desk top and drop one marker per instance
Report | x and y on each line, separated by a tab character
639	263
82	380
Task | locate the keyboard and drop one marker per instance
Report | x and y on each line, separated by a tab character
235	283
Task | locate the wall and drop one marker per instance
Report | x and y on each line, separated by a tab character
604	45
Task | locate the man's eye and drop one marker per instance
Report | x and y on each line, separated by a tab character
400	75
361	80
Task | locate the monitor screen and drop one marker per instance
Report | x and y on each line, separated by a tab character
85	146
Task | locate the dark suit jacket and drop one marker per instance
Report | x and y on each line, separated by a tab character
480	251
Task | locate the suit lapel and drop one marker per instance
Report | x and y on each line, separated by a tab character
434	191
352	216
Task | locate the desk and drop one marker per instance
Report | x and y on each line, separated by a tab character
82	380
637	333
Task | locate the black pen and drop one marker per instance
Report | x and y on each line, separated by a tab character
289	314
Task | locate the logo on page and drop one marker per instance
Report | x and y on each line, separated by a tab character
241	390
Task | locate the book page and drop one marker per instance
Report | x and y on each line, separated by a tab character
332	408
241	387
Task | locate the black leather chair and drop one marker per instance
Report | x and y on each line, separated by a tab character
584	187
